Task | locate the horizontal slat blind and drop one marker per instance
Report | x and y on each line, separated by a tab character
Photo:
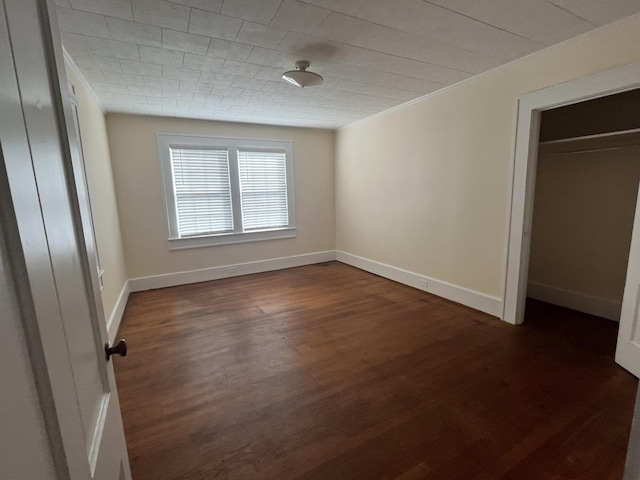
263	189
202	190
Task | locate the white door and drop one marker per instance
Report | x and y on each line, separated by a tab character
45	210
628	348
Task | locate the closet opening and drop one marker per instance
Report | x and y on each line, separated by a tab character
530	109
586	186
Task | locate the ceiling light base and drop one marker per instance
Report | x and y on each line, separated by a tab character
300	77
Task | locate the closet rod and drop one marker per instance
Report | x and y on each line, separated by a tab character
589	150
591	137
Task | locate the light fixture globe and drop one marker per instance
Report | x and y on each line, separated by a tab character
300	77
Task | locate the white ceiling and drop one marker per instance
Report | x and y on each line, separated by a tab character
222	59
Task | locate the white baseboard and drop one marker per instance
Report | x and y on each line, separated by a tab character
600	307
216	273
469	298
113	324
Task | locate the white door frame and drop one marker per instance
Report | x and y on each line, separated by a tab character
601	84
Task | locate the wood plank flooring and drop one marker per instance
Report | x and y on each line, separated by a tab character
328	372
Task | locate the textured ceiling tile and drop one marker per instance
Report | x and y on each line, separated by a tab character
76	45
339	28
600	12
297	16
387	79
256	95
206	99
161	82
214	25
109	88
145	109
133	32
538	20
129	98
112	8
229	50
196	106
393	42
95	75
248	83
239	68
235	101
183	104
368	89
146	91
141	68
226	91
269	73
304	46
198	111
161	56
161	14
209	5
163	102
219	79
437	23
82	22
200	62
256	34
272	58
185	42
124	78
106	97
174	73
261	11
113	48
194	87
183	96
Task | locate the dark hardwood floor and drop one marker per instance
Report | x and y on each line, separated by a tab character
328	372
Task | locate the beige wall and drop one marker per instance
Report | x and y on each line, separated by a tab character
582	220
138	180
97	160
427	187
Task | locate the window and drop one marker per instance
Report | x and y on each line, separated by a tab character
226	190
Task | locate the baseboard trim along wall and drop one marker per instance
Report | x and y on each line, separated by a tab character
226	271
597	306
113	323
469	298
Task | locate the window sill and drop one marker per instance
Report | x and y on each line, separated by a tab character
230	238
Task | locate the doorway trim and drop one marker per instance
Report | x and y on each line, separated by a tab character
530	106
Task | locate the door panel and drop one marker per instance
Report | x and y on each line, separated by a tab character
628	347
48	198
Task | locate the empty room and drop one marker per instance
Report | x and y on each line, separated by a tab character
320	239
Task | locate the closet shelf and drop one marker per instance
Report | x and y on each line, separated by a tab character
588	143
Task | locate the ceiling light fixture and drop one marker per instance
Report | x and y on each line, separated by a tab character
300	77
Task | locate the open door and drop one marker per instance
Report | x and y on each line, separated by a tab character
628	347
48	236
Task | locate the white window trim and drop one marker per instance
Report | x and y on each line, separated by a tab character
166	141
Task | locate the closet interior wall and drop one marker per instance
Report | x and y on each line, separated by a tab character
586	188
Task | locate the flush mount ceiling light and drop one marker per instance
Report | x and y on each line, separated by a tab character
300	77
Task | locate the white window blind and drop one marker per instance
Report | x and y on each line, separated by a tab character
221	191
263	189
202	191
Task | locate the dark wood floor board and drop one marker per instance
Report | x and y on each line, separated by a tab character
328	372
